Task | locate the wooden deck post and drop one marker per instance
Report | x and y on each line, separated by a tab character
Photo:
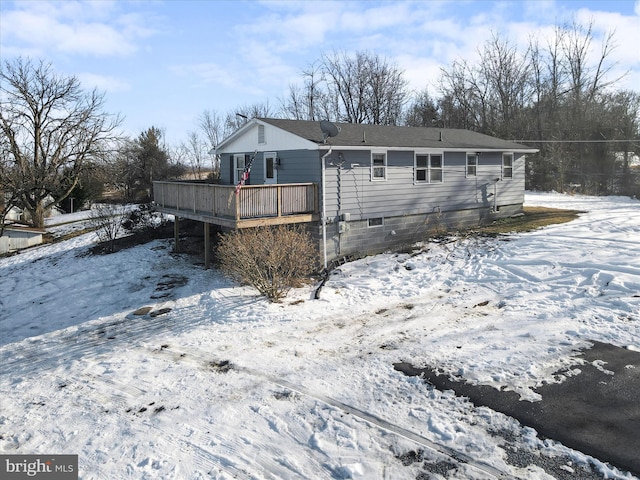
207	246
279	201
176	234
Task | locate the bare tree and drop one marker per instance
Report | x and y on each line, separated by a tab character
194	153
463	98
213	127
364	88
423	112
310	101
492	93
50	129
294	105
9	197
242	114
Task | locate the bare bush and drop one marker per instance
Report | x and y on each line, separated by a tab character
142	218
107	219
271	259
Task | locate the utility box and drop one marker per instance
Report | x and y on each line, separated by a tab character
342	227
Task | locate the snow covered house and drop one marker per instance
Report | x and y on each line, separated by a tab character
360	188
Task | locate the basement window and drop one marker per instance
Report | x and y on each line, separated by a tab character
376	222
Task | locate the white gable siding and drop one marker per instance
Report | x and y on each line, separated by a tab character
275	139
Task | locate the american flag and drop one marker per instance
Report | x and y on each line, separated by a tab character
245	173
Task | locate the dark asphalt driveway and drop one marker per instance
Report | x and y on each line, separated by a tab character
596	411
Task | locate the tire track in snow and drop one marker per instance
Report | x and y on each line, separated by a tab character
52	351
119	400
371	419
190	438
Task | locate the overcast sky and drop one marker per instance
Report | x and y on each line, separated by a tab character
163	63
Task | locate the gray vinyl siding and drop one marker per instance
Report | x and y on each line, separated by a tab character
299	166
296	166
351	190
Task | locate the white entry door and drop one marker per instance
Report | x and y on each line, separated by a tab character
270	167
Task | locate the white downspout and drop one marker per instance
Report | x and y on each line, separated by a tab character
324	208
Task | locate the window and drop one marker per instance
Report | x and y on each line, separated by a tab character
507	165
435	168
428	168
378	166
261	138
422	168
472	164
238	166
376	222
270	167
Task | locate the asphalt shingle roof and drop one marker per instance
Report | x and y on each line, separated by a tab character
353	135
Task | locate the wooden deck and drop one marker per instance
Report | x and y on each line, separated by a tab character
254	206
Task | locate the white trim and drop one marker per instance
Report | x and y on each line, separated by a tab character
513	159
274	179
415	168
375	226
466	164
236	177
428	153
384	167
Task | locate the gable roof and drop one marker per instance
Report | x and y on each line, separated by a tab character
371	136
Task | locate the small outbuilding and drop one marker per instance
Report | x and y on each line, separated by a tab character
16	237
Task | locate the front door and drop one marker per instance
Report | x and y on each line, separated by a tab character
270	167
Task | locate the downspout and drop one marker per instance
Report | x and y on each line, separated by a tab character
324	207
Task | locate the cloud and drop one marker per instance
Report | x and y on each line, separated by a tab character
103	83
625	32
71	27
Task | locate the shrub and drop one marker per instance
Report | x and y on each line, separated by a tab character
106	218
142	218
271	259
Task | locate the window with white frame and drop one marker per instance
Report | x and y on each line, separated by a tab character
472	164
428	168
422	168
435	168
507	165
238	166
375	222
378	166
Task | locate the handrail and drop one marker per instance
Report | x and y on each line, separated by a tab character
253	201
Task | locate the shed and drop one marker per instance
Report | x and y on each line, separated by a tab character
16	237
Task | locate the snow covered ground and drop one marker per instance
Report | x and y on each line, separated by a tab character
212	381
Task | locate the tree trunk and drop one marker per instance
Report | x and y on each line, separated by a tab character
37	215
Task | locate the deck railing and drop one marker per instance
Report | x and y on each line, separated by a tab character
252	202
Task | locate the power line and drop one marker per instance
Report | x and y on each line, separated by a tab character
577	141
